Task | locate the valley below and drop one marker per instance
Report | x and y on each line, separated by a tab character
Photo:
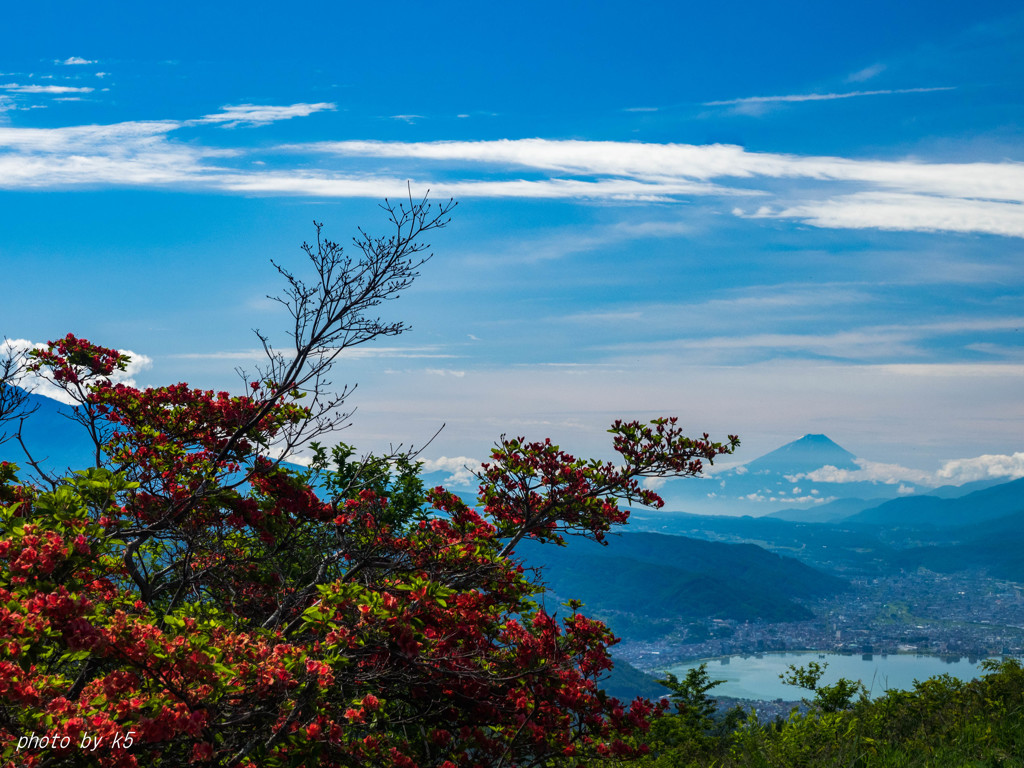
934	576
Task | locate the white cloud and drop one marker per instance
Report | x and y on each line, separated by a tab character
17	88
760	497
866	74
40	385
654	483
952	472
461	468
444	372
254	114
866	344
74	60
907	212
985	467
673	164
17	347
820	191
868	472
279	452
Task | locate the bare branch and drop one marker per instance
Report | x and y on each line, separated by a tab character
14	398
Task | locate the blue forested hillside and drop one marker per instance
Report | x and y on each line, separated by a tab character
663	577
931	511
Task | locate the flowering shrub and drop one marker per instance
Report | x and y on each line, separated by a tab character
254	623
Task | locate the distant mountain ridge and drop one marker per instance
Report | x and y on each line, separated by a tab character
986	504
53	439
830	512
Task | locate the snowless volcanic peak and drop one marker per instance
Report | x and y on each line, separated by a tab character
808	453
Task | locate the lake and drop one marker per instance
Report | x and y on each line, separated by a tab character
757	676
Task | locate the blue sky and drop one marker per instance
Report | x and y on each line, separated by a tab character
767	219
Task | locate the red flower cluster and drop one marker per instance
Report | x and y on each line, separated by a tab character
75	361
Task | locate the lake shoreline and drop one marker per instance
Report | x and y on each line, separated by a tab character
754	677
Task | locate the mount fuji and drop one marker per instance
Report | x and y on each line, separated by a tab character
811	479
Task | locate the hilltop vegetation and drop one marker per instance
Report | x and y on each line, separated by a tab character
942	722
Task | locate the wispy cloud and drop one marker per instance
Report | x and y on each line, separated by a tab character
19	88
800	97
861	344
868	343
327	184
426	352
830	192
867	73
906	212
253	114
673	164
76	60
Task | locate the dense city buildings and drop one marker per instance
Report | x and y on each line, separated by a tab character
966	614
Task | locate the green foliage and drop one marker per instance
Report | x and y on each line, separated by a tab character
625	682
827	698
697	733
941	722
395	478
697	710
